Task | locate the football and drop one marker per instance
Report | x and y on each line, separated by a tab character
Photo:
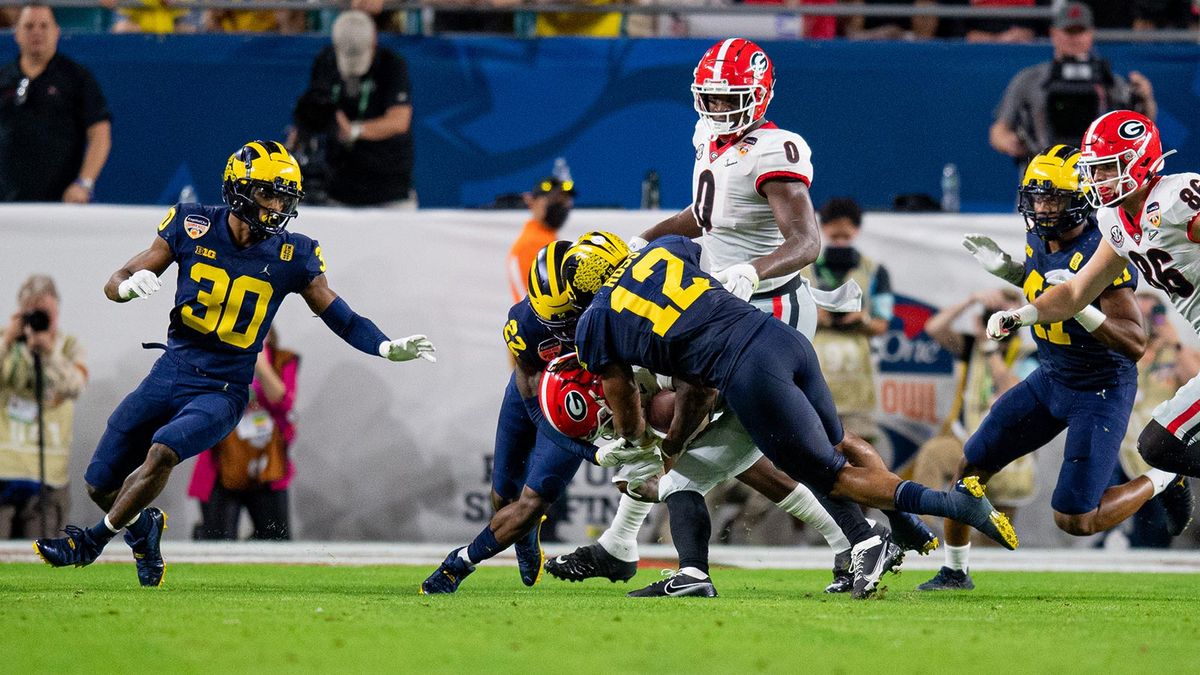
661	410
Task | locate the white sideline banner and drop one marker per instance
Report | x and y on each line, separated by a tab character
387	451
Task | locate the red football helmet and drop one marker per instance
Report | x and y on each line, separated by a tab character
739	69
572	399
1121	152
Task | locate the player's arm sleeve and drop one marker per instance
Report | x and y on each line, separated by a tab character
168	229
358	331
314	264
786	158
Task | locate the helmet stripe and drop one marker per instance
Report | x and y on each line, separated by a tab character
719	61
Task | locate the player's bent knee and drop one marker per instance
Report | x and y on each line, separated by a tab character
1160	448
101	497
161	457
1077	525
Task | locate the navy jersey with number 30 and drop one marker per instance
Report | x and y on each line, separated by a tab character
226	296
662	312
1066	350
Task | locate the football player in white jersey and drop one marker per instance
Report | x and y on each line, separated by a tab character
1153	221
755	220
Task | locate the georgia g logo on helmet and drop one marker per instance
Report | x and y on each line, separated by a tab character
759	64
1131	130
575	406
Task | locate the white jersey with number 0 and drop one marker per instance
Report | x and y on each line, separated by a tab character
1163	242
727	200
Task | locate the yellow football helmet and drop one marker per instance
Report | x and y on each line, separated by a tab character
1051	197
590	262
548	292
262	186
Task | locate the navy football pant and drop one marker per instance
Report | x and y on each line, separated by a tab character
778	392
1032	413
524	457
173	405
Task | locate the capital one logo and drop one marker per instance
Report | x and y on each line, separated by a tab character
576	406
1131	129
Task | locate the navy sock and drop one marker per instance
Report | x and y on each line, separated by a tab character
849	518
916	498
140	527
485	546
100	533
690	528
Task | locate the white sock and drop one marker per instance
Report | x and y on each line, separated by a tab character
620	539
1161	479
693	573
803	504
109	525
956	556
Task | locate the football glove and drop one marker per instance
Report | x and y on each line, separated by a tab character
408	348
740	279
1059	277
142	284
621	452
1001	324
993	258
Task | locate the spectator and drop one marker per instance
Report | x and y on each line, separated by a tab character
33	329
1054	102
843	341
1004	31
892	28
154	16
987	369
55	132
367	116
284	21
480	18
251	468
549	205
1165	366
588	24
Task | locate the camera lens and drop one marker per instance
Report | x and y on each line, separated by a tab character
37	320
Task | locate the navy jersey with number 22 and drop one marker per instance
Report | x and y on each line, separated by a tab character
662	312
226	296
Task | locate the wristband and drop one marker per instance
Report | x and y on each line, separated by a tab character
1090	318
1028	315
356	130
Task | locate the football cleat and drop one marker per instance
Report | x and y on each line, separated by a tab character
448	575
590	562
843	579
911	533
983	516
78	548
870	559
949	580
677	585
1177	500
147	551
530	556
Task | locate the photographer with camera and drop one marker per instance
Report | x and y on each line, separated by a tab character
354	123
35	357
1054	102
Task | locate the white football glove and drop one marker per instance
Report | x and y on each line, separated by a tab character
621	452
993	258
142	284
1059	277
740	279
408	348
1003	323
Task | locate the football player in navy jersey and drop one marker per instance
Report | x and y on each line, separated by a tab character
236	264
1087	380
655	308
533	462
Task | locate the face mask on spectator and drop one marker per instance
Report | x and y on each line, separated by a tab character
841	258
556	214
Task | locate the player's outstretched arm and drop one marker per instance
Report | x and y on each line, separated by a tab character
358	331
1064	301
138	278
683	223
528	378
994	259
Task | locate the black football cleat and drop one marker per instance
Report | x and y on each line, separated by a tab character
448	575
911	533
843	579
147	550
1177	500
949	580
870	560
981	515
530	556
77	548
678	585
591	562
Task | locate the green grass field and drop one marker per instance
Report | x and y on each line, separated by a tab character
267	618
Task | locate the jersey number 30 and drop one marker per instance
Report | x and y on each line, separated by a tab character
679	297
222	305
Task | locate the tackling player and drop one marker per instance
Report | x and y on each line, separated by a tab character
1153	221
236	264
657	309
1087	380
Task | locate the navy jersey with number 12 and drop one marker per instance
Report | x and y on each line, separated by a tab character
660	311
226	296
